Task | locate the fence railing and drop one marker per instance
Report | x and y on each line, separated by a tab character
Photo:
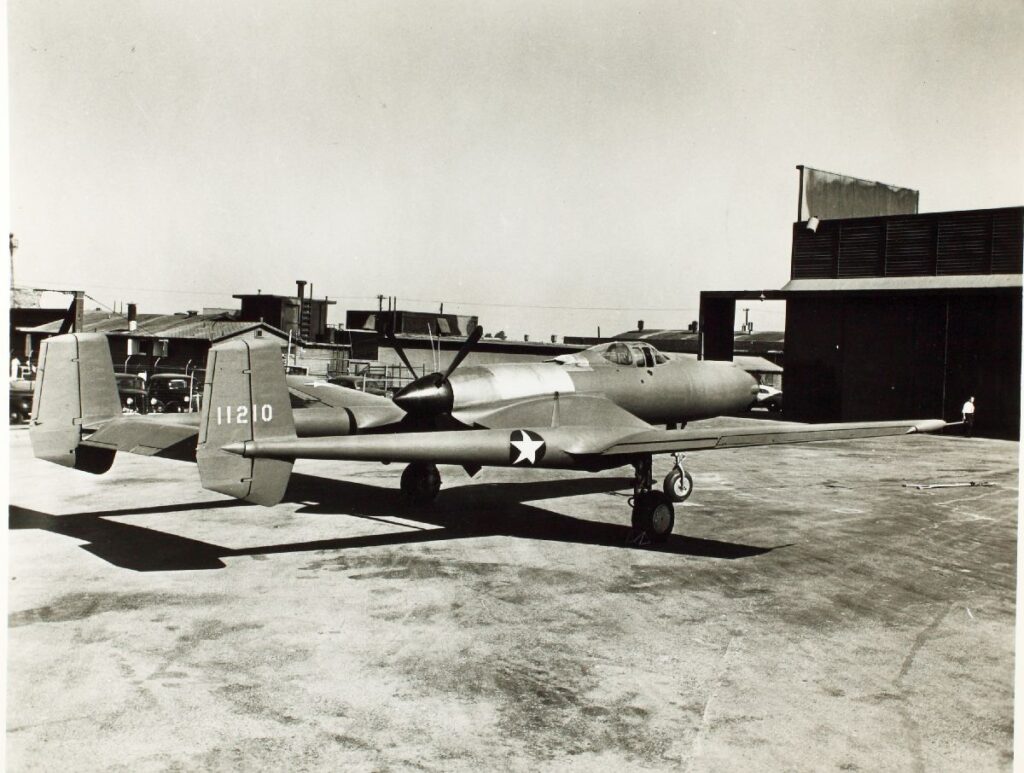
373	376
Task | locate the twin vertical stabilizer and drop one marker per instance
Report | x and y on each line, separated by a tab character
245	398
75	391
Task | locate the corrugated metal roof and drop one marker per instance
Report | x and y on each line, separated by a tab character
904	283
654	334
748	362
768	336
756	364
95	322
207	327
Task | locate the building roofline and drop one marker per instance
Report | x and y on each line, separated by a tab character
799	287
942	213
254	326
294	298
905	283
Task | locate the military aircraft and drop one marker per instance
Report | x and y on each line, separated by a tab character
593	410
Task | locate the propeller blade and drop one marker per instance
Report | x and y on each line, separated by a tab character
390	338
467	346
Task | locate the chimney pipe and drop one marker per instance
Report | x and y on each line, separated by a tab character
78	306
639	324
133	316
301	285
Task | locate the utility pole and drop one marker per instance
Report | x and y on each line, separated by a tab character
380	302
13	244
746	320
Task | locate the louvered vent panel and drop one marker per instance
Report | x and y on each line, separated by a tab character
860	248
813	252
910	247
963	244
1008	241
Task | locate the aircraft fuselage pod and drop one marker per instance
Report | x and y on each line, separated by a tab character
672	391
634	376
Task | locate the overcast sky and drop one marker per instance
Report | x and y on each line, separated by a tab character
548	166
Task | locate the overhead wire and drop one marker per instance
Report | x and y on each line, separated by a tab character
482	304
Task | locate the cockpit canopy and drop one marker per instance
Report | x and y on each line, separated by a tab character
635	353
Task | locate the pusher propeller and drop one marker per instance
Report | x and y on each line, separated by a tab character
432	395
390	337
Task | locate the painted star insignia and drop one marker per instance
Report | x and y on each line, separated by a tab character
530	446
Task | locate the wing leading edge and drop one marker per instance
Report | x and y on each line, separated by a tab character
658	441
560	446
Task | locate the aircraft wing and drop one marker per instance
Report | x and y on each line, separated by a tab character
333	395
562	410
561	446
659	441
368	410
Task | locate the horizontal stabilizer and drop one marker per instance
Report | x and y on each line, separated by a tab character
245	399
167	435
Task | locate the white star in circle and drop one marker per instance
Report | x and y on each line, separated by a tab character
527	448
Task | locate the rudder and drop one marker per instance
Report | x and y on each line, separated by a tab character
245	397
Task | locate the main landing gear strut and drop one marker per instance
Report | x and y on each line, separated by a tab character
653	514
420	482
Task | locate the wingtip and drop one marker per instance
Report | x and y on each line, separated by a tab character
929	425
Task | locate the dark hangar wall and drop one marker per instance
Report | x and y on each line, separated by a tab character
876	358
907	353
901	316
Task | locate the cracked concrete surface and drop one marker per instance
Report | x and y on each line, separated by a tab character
810	613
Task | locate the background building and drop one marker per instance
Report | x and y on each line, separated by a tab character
900	316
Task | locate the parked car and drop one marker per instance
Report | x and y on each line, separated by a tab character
132	391
171	393
768	397
21	399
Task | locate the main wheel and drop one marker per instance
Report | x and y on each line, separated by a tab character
678	485
420	482
653	514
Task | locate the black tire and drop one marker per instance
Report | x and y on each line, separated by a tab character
654	516
678	487
420	482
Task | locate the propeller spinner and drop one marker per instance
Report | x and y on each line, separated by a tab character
431	395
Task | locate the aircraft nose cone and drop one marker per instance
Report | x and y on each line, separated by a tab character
427	396
746	390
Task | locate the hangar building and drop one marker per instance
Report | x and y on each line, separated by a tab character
897	316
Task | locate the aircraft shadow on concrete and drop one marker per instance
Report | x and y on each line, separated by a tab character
481	510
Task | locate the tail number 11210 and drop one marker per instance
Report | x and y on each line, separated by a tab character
240	414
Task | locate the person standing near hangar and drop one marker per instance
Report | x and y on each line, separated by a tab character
968	417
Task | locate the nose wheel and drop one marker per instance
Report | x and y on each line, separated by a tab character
420	482
678	484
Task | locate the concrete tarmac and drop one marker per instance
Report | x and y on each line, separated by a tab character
810	613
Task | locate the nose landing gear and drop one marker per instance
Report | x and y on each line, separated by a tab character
678	483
